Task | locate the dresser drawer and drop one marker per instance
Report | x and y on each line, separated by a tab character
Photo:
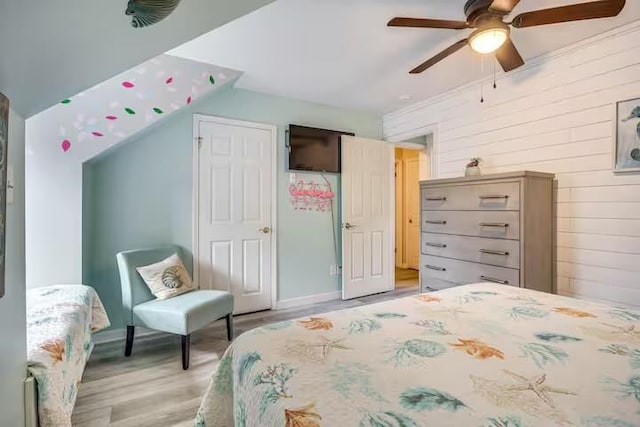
503	196
439	273
499	252
495	224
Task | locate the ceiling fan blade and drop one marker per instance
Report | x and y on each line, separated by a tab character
439	57
509	57
428	23
503	6
576	12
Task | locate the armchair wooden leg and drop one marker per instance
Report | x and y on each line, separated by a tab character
129	344
186	347
229	318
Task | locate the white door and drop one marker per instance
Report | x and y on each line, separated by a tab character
235	184
367	189
412	204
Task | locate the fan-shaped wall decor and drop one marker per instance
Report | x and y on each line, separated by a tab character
148	12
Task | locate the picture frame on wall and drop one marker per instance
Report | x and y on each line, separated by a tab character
4	141
626	139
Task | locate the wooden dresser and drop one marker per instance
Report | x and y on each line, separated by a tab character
492	228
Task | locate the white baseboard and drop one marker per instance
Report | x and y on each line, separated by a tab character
308	300
120	334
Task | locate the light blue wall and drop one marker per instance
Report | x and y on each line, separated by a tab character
13	347
139	194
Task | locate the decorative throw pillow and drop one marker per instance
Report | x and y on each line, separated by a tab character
167	278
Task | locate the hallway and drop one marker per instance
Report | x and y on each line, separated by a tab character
406	278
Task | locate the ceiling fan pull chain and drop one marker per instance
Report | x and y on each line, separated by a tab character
495	86
481	80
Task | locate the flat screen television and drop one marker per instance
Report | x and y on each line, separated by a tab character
314	150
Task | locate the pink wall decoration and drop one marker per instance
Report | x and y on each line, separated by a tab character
311	196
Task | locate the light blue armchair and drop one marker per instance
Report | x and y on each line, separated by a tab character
179	315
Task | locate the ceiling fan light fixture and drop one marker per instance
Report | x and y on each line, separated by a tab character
488	40
493	33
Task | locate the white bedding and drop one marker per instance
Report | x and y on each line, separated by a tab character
480	355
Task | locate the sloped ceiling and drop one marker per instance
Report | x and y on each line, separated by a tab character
341	53
101	117
53	49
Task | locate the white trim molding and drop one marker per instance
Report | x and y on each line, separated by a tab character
308	300
30	402
119	334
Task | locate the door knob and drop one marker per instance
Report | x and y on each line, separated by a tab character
265	230
349	226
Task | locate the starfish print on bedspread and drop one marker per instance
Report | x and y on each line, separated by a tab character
316	350
531	395
626	333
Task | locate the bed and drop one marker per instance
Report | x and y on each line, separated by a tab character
60	322
474	355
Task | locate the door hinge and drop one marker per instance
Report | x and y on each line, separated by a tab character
199	139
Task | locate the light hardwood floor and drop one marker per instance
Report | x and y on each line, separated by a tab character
406	278
150	389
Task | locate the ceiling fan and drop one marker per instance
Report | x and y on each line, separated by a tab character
492	33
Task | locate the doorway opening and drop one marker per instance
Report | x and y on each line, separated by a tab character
412	165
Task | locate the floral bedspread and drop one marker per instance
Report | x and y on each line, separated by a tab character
60	321
475	355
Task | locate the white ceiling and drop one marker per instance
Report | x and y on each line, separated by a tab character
53	49
341	53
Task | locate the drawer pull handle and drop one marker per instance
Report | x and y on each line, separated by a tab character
492	252
493	196
433	267
436	245
436	199
492	280
494	224
439	222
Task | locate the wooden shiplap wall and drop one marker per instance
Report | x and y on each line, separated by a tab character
555	115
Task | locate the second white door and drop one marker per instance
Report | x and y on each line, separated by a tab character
367	188
234	220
